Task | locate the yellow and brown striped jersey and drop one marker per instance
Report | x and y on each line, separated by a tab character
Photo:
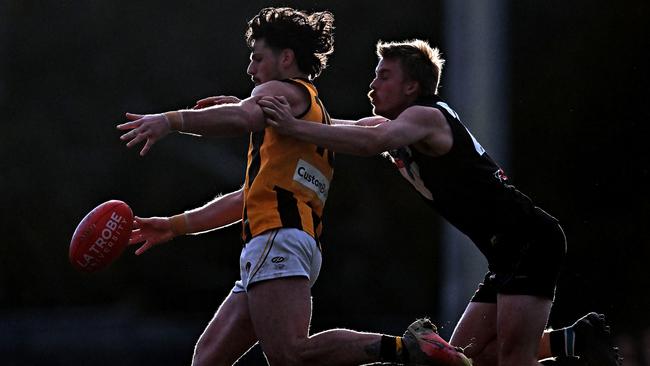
287	180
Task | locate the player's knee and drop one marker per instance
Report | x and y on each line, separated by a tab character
284	359
204	355
483	357
200	357
512	355
282	356
291	353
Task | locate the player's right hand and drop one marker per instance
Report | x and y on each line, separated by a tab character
152	231
217	100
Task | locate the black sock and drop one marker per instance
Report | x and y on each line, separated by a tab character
391	349
562	342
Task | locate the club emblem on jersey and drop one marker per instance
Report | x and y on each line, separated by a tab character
501	175
403	160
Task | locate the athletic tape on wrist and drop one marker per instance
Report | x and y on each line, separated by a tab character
179	224
175	120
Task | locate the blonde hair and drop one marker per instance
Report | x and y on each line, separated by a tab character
420	62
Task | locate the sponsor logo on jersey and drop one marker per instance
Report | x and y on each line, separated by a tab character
312	178
403	160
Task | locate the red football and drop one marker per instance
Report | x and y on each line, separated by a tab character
101	236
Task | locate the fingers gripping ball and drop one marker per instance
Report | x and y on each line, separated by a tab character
100	238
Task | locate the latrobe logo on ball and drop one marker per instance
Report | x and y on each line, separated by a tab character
312	178
105	242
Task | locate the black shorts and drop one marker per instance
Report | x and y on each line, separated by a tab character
526	262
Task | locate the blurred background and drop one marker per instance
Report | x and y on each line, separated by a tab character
557	91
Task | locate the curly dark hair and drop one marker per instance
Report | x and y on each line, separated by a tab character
310	36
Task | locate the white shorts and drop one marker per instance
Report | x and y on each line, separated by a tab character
278	253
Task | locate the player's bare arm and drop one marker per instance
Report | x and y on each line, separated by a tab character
216	100
366	121
423	126
220	120
234	119
220	212
230	119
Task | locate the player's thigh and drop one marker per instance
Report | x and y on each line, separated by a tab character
281	312
477	328
229	334
521	320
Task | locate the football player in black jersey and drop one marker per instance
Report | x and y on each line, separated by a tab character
436	153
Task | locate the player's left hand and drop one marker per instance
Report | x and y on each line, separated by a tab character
150	231
149	127
278	113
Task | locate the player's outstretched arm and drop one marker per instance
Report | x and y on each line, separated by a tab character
220	212
365	137
279	115
221	119
370	135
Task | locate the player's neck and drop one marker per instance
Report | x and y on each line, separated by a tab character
293	72
295	75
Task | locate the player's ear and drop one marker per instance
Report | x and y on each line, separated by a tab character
411	87
287	57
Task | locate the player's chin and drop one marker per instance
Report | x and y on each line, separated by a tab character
374	102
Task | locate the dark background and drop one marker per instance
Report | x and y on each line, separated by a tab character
578	85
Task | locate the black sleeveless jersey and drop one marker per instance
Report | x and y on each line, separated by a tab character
465	185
